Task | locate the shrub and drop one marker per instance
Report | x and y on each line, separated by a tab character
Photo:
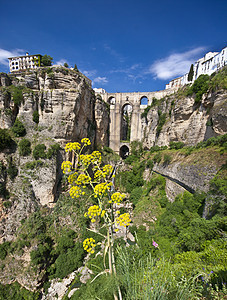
4	249
136	194
53	150
17	95
5	139
18	128
39	151
157	158
25	147
12	169
36	116
199	87
161	122
167	159
33	164
150	164
176	145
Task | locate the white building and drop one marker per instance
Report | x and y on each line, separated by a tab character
99	91
21	63
210	63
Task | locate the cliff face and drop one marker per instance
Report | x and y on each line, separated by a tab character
68	111
185	121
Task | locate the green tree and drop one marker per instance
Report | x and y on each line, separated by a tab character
191	73
36	116
66	65
39	151
46	60
24	147
18	128
5	139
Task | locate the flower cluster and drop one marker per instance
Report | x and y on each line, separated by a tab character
85	159
94	212
106	171
89	245
72	178
83	179
117	198
101	188
75	192
72	146
66	166
86	142
123	220
96	157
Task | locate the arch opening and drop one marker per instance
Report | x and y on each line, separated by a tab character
144	100
112	100
124	151
126	116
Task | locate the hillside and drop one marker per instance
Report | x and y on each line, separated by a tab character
174	183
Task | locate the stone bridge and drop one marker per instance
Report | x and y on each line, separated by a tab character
125	117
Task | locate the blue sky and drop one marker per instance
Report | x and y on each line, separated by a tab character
122	45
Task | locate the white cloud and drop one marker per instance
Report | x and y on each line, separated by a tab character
89	73
102	80
5	54
176	64
62	61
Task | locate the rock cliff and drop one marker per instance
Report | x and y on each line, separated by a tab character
67	111
178	118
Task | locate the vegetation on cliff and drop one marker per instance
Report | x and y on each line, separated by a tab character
172	250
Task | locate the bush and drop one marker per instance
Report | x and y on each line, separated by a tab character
157	158
4	249
136	194
17	95
12	169
199	87
18	128
25	147
176	145
39	151
167	159
150	164
161	122
33	164
36	116
53	150
5	139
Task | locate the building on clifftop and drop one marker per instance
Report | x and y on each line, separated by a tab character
22	63
210	63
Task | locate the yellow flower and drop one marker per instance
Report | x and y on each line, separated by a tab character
94	212
123	220
107	170
117	198
83	179
66	166
89	245
96	157
85	159
101	188
72	146
86	142
72	178
75	192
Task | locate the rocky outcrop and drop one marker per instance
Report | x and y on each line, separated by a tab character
102	121
192	173
67	111
184	120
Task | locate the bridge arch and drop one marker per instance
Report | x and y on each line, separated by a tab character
126	118
124	151
111	100
144	100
